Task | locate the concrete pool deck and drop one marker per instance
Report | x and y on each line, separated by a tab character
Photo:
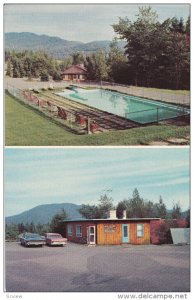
161	95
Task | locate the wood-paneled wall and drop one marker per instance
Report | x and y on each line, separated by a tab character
114	237
133	234
109	238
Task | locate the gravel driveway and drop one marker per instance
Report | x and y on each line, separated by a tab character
79	268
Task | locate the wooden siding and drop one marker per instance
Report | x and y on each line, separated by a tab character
133	233
115	237
110	233
109	238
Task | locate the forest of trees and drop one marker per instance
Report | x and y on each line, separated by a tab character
13	230
136	207
157	54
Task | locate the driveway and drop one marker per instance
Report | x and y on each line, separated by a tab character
79	268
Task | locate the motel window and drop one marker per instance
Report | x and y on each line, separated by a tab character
69	230
140	230
78	230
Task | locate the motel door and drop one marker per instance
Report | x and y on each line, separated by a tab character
125	233
91	235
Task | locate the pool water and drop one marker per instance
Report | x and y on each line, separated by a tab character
134	108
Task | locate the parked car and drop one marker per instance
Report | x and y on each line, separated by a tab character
31	239
55	239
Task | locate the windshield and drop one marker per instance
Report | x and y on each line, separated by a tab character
54	235
32	236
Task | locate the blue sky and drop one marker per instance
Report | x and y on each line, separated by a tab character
80	175
79	22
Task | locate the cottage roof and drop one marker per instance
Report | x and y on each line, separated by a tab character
111	220
75	70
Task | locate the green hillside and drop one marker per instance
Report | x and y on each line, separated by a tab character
43	214
54	46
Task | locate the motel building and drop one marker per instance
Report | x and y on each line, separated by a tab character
75	73
110	231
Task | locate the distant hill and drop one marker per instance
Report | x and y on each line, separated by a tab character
44	213
55	46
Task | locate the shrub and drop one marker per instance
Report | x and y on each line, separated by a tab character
44	77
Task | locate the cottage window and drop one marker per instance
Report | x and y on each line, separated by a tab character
69	230
140	230
78	230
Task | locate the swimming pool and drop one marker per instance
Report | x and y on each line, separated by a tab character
140	110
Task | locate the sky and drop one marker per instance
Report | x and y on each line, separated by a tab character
80	22
81	175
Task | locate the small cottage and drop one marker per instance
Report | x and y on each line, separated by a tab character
75	73
110	231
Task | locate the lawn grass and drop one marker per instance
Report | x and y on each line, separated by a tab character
177	92
26	127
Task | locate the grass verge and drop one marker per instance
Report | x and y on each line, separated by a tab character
26	127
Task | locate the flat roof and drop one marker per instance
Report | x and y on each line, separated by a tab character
111	220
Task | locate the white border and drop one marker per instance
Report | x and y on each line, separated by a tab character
80	295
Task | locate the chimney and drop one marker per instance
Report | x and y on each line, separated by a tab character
112	214
124	214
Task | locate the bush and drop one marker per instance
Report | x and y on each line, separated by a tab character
57	77
44	77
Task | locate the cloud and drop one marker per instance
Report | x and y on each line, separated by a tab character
85	22
36	175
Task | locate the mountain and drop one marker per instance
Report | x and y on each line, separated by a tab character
54	46
44	213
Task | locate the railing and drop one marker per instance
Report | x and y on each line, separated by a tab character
76	121
154	115
143	92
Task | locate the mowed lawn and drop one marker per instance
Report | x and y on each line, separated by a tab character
26	127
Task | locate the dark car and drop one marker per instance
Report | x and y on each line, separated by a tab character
55	239
32	239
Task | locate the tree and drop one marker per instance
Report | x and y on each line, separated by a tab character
21	228
16	67
158	53
136	205
32	227
97	212
91	67
117	62
121	206
44	76
66	63
42	228
11	232
149	211
141	45
56	222
90	211
9	68
56	76
161	209
105	204
78	58
97	67
176	211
